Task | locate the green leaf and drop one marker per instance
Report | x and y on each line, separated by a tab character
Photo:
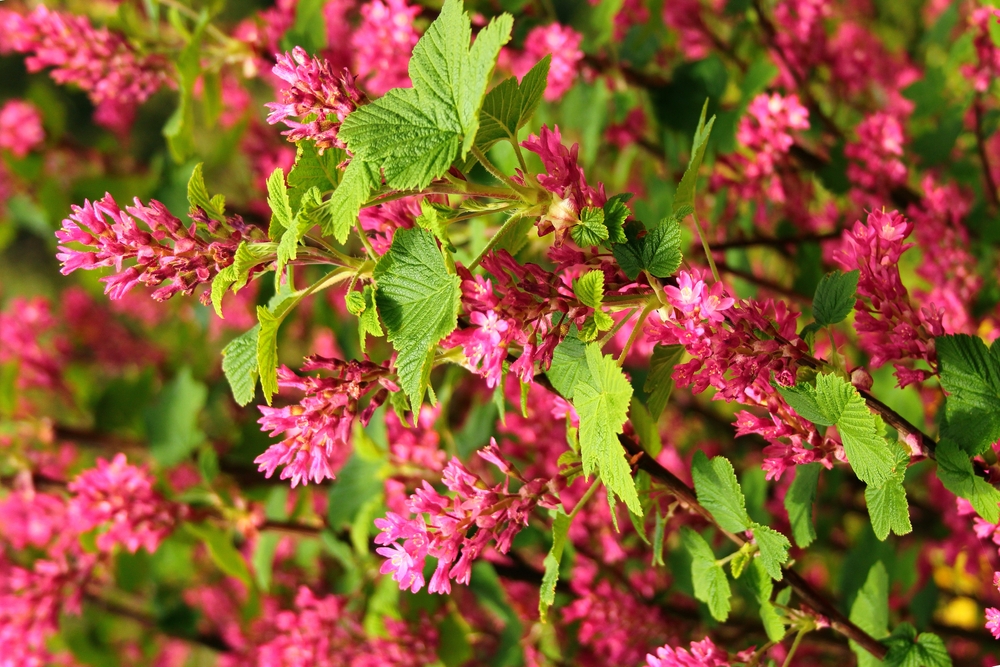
907	649
759	582
660	382
172	423
547	594
314	170
342	210
263	558
970	373
269	319
198	196
418	300
870	611
887	505
661	251
509	105
589	288
281	207
304	220
239	363
236	275
591	230
615	213
684	196
773	548
955	471
799	503
835	297
802	399
645	427
414	134
368	323
569	366
602	404
719	492
433	220
710	583
220	547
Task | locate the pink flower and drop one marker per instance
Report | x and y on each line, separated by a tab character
314	95
383	44
684	18
119	499
987	66
20	127
563	44
169	251
993	621
317	429
702	654
26	340
875	163
628	131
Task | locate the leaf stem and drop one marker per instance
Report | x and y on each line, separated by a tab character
506	227
586	497
616	328
499	175
651	305
704	244
795	644
368	244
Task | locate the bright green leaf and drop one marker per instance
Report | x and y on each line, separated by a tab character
710	583
281	207
236	275
684	196
907	649
239	363
198	196
569	366
773	547
719	492
955	471
547	594
887	505
343	207
589	288
368	323
799	503
662	248
591	230
834	298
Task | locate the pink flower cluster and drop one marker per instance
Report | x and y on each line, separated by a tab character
169	251
98	61
684	17
987	65
492	513
875	165
317	429
26	326
702	654
800	35
119	499
992	613
20	128
383	44
315	96
323	632
383	220
889	327
557	40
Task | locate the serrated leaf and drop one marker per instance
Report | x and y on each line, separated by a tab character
569	366
887	504
239	363
414	134
288	247
589	288
907	649
236	275
281	208
802	399
269	319
835	297
870	611
773	547
660	382
684	195
432	220
955	471
590	230
661	250
799	503
343	207
418	300
547	594
759	582
313	170
970	373
719	492
368	323
615	213
602	404
710	583
509	105
198	197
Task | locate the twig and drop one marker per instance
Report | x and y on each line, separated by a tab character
990	183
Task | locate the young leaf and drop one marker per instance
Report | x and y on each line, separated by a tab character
569	366
414	134
660	382
615	213
304	220
602	404
955	471
970	373
547	594
799	503
907	649
887	505
508	107
759	582
198	196
591	230
802	399
684	196
269	319
773	548
434	221
834	297
313	170
220	547
239	363
661	249
710	583
418	300
281	208
589	288
368	323
236	275
345	204
870	611
719	492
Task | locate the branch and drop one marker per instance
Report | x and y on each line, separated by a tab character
210	641
989	182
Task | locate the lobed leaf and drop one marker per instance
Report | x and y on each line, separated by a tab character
719	492
711	585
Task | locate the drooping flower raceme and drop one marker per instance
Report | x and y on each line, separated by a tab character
316	431
20	127
488	513
315	102
383	44
119	500
169	251
559	41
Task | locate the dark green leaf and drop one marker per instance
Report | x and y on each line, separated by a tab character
835	297
970	373
799	503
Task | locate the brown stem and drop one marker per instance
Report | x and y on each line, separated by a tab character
990	183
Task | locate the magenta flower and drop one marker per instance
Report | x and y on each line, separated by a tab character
169	251
383	44
319	100
28	343
987	65
559	41
119	499
317	429
993	621
702	654
875	156
20	127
